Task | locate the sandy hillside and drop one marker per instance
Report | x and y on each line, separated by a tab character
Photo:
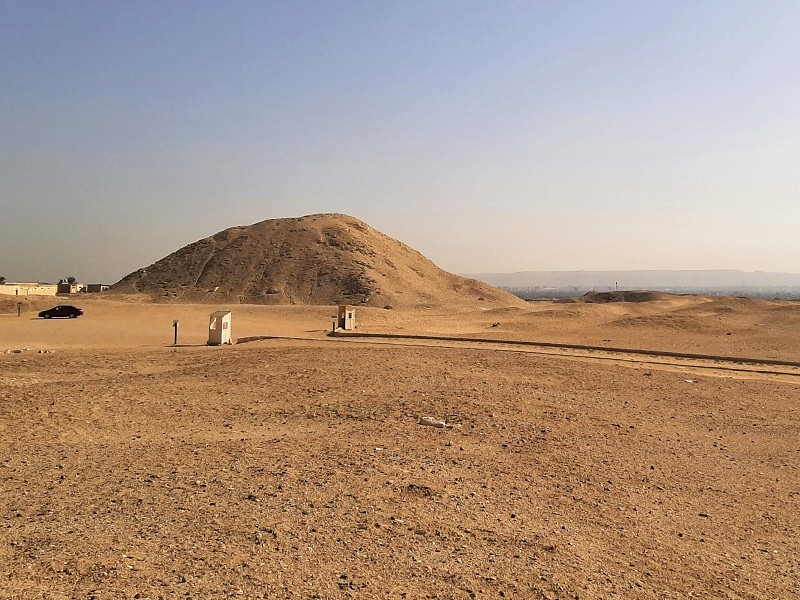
297	467
317	259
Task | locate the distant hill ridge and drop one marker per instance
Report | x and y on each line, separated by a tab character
640	279
316	259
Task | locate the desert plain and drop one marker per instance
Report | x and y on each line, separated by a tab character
297	467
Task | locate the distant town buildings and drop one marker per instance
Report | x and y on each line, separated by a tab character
28	289
70	288
93	288
9	288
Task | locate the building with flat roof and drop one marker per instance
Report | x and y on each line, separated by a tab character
28	289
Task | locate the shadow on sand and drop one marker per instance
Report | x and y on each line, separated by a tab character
187	346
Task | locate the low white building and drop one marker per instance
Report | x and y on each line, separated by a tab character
219	328
28	289
346	318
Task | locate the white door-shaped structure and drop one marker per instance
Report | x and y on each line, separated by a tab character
346	317
219	328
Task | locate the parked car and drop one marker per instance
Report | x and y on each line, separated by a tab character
63	310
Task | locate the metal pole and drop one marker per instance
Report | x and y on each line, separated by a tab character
19	309
175	326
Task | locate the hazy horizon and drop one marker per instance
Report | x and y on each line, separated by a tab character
493	138
642	279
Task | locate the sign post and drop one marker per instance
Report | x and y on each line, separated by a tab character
175	326
19	309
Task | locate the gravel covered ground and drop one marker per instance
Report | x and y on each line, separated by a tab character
288	469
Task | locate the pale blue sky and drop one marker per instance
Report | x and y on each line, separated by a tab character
491	136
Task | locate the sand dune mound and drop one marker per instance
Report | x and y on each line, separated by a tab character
8	304
627	296
317	259
724	306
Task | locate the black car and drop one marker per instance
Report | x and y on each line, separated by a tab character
63	310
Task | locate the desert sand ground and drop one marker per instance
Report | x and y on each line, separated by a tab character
297	468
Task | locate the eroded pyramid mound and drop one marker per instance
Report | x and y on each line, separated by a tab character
317	259
625	296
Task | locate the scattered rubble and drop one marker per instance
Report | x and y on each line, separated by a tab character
431	422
